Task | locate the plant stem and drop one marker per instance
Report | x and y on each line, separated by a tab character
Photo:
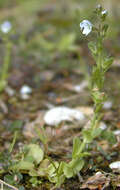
13	142
82	146
6	64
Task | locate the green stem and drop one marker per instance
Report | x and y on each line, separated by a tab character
13	142
6	64
82	146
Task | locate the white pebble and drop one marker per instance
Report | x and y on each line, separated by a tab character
80	87
117	132
103	126
10	91
98	173
58	114
107	105
115	166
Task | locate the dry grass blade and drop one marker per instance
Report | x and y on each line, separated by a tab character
8	185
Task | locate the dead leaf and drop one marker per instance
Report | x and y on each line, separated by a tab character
98	181
29	128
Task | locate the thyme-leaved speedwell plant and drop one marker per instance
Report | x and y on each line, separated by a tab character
102	64
5	30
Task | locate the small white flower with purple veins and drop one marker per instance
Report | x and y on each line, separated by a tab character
86	27
25	92
6	27
104	12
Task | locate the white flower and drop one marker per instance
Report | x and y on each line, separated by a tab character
86	27
104	12
6	27
25	91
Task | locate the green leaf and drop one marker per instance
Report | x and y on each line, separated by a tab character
60	180
45	44
107	63
35	181
53	179
105	28
42	135
52	172
97	77
87	135
9	179
60	169
23	165
93	48
52	168
16	125
21	188
76	147
76	164
90	135
109	136
68	170
73	167
33	173
43	168
84	154
35	153
96	132
98	98
66	42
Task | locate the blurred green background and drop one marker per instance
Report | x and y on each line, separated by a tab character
46	32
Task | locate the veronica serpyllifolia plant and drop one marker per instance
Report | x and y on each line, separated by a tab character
102	64
5	29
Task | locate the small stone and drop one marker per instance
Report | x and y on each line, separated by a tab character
98	173
115	166
102	126
117	132
80	87
10	91
86	110
58	114
107	105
